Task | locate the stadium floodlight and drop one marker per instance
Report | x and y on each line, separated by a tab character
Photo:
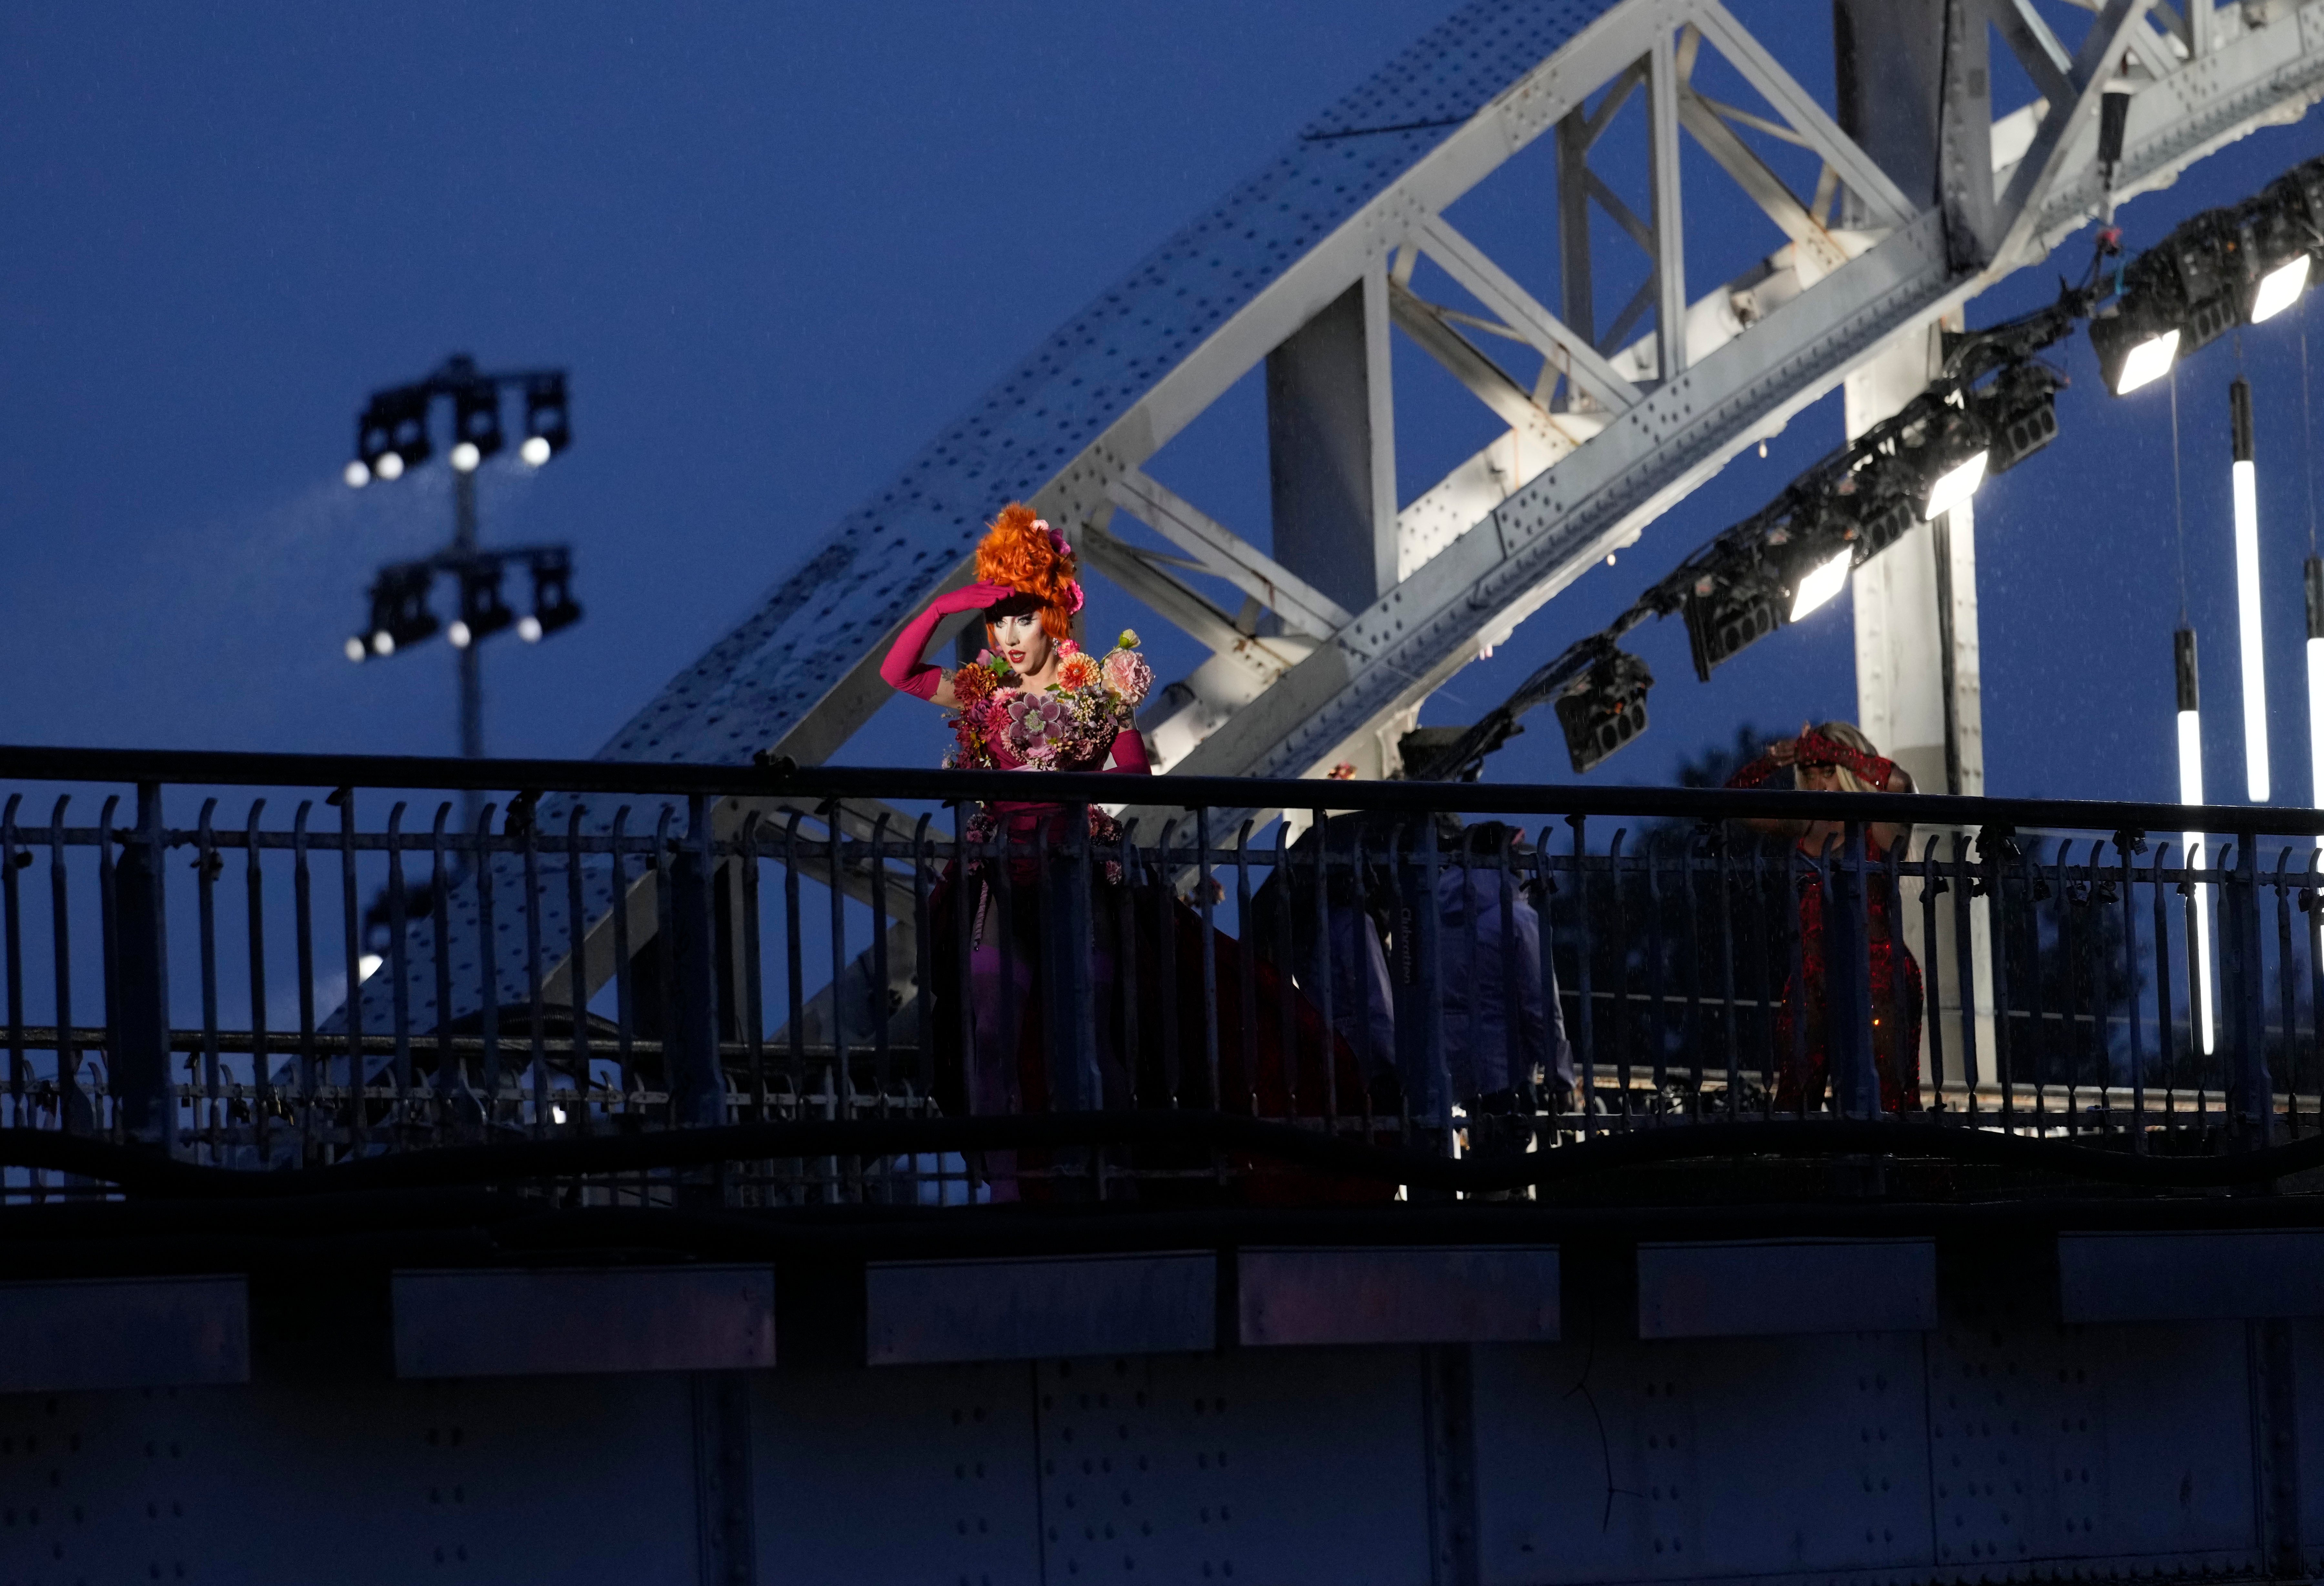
400	617
2246	484
2191	792
1606	709
482	611
547	430
2284	227
553	605
476	424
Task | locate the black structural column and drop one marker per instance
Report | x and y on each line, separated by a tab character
141	976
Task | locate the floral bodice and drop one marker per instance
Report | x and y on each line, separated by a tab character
1069	726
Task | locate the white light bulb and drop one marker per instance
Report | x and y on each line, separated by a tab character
357	475
2191	791
2148	361
2279	288
368	965
458	634
357	648
528	628
1956	487
556	1114
535	449
390	465
1821	585
382	642
464	456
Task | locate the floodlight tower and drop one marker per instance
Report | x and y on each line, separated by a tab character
391	437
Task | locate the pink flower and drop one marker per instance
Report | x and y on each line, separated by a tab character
1127	674
1037	725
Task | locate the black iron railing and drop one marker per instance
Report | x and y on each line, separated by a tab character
772	985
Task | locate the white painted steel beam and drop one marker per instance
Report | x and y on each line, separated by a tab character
1363	183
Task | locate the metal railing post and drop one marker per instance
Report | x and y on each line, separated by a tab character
2247	986
697	1087
141	1053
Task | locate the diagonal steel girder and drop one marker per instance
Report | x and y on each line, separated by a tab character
1366	183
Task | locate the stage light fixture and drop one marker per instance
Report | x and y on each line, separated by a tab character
2191	792
1726	615
553	605
2020	411
395	434
2279	288
1606	709
2245	481
547	430
2284	227
2135	348
482	611
1821	581
1951	461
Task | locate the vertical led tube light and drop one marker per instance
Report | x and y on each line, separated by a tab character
2247	613
2312	576
2191	792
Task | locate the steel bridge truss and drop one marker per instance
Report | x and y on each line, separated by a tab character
1361	608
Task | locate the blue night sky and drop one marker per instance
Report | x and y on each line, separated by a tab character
780	246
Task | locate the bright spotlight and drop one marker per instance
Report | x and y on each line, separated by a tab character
368	965
2279	288
458	634
1819	585
358	475
1954	487
357	648
528	628
2147	362
382	642
464	456
390	466
535	450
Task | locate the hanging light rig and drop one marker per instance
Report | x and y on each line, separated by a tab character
2191	793
2253	653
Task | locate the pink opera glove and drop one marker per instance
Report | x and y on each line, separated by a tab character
904	669
1129	754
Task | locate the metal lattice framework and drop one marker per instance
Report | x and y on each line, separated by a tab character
1309	266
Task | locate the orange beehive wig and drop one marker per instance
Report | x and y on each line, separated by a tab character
1023	552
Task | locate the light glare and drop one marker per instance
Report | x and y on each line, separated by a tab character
458	634
358	475
382	642
1821	585
528	628
535	449
2247	613
464	456
1955	487
390	465
357	648
368	965
2148	361
2279	288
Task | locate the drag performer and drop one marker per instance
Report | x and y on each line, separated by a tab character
1035	700
1837	758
